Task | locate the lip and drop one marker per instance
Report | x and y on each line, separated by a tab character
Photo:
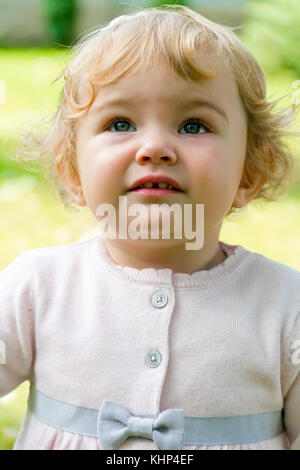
156	179
155	192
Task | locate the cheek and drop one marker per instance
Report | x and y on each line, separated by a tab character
218	162
208	164
102	178
215	177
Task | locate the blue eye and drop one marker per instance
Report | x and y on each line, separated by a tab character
191	125
122	128
194	125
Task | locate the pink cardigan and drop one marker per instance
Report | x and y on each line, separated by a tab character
81	329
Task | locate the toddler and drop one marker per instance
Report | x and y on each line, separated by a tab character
140	343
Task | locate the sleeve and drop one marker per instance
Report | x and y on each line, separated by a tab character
292	396
16	324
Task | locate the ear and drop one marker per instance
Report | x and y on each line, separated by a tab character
71	182
246	192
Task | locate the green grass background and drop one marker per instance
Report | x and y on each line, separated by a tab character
32	217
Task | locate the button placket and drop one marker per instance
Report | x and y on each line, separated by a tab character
159	300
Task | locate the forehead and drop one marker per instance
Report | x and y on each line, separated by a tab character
164	87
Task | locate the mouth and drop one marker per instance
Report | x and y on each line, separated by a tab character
155	190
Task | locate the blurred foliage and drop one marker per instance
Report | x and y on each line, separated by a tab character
272	32
12	408
60	16
28	73
159	3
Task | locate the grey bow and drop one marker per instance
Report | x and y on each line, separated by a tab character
116	423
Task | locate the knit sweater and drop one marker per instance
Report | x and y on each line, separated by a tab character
80	327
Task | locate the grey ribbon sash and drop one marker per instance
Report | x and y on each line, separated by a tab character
113	424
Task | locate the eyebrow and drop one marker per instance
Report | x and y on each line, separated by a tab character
187	104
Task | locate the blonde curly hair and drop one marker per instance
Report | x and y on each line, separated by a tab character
171	35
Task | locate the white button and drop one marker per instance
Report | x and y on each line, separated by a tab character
153	359
159	299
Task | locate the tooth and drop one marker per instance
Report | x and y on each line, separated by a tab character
162	185
170	187
148	185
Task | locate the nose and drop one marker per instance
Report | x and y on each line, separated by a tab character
155	155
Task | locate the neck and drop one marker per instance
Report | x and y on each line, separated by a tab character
139	254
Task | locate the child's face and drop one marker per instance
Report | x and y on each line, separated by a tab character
207	165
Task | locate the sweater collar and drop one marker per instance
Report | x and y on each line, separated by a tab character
236	257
